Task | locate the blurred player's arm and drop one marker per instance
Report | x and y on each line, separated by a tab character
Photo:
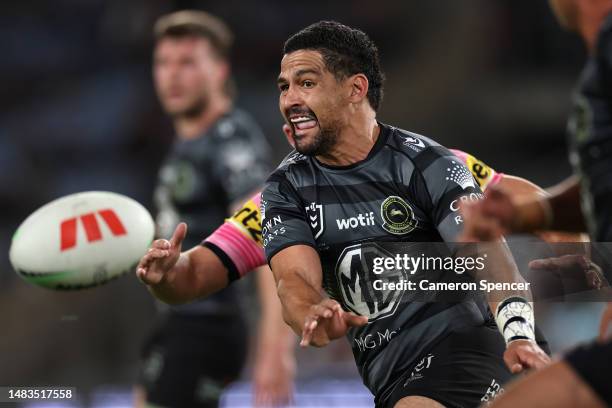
559	210
556	386
274	368
176	277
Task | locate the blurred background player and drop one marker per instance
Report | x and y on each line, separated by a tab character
581	378
590	143
219	158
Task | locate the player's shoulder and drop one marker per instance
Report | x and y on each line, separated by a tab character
237	125
420	149
293	164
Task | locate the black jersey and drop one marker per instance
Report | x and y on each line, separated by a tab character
590	136
405	191
202	177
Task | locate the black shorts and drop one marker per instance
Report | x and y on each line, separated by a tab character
592	363
189	359
463	370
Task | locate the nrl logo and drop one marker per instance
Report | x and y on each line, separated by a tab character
314	212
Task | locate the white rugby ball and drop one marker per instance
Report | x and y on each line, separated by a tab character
81	240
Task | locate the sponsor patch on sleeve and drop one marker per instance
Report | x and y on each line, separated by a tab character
248	221
481	172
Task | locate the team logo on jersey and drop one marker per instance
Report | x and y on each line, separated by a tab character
314	213
414	143
397	215
355	277
460	175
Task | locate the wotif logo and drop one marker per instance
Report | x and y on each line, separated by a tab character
360	220
68	228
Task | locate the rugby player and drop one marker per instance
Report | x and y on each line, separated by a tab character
399	185
235	248
219	159
590	143
581	379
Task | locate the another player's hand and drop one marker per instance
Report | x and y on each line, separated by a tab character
573	264
606	324
326	321
155	266
478	224
521	355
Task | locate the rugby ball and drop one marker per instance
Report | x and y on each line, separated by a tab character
81	240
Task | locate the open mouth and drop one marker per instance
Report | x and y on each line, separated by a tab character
303	122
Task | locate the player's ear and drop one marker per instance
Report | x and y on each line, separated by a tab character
359	87
222	71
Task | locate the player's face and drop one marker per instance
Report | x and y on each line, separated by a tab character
311	101
566	13
185	71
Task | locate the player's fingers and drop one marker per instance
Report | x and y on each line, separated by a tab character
322	311
572	260
531	358
179	235
160	244
154	253
353	320
543	264
147	277
310	324
512	362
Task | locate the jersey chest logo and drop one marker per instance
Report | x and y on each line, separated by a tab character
397	215
314	213
358	284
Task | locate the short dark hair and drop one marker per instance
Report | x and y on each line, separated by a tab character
195	23
346	51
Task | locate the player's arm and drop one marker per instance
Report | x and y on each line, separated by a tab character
230	252
178	277
297	271
559	210
290	250
556	386
438	185
275	366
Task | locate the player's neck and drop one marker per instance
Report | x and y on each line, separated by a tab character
192	127
591	20
354	143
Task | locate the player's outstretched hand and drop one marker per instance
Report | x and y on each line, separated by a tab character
156	265
326	321
574	265
521	355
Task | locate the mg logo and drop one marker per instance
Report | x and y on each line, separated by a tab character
356	282
68	228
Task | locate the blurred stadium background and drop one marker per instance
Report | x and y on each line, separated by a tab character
79	113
